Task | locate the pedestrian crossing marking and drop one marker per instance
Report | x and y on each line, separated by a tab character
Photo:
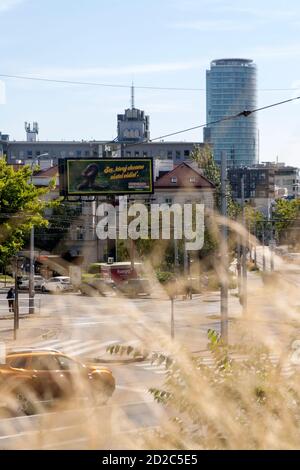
93	347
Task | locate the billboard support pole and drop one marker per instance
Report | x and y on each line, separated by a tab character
132	253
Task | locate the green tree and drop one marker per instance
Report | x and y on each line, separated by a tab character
254	220
62	215
286	213
211	171
21	207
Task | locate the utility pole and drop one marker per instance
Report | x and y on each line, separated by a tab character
238	266
255	244
185	260
263	247
223	253
132	253
271	246
16	302
244	251
176	258
172	317
31	272
31	262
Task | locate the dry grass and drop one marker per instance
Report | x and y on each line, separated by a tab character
241	400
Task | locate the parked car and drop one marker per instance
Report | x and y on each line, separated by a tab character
23	282
136	288
96	286
32	378
57	284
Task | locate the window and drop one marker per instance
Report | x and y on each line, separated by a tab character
168	200
44	362
192	179
186	153
78	153
145	154
178	154
87	153
128	153
29	153
66	363
19	362
137	153
170	155
174	179
38	153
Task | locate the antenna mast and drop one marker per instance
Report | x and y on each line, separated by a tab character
132	96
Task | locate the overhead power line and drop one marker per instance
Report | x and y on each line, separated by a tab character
118	85
244	113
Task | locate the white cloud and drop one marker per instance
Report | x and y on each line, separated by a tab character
263	14
84	73
212	25
276	52
9	4
192	5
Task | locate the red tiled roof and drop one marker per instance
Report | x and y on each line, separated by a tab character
183	173
48	173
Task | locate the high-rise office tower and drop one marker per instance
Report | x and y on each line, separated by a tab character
230	89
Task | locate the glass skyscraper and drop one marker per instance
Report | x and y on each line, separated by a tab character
230	89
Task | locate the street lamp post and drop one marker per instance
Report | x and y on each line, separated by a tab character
224	254
31	256
16	302
31	272
244	252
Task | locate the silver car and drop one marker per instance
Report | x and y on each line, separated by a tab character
57	284
38	282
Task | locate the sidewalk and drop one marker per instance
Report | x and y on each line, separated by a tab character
4	288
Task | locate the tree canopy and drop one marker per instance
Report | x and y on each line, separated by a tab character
205	159
286	213
21	206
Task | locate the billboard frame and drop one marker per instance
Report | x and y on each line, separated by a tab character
64	177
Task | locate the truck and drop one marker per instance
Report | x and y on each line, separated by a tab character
118	272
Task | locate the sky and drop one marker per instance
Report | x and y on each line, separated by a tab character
162	43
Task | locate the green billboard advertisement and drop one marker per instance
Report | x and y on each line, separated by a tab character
108	176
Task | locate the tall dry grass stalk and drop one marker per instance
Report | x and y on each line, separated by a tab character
241	399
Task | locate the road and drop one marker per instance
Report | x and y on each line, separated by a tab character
83	327
288	271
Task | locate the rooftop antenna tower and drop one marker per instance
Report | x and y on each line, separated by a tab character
31	132
132	96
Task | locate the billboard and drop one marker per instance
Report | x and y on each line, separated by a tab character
106	176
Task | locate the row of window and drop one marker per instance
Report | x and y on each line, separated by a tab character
169	154
63	153
192	179
88	153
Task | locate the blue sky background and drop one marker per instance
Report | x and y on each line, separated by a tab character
158	43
